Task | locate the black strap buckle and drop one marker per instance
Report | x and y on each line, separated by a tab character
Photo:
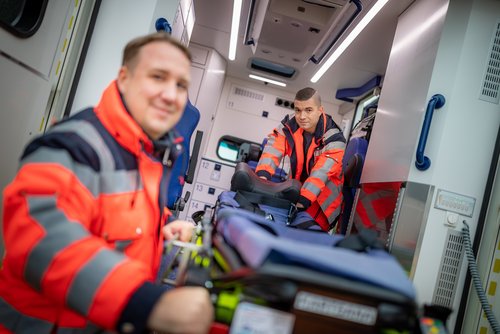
292	212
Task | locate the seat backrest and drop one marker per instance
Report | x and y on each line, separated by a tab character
352	170
353	160
352	165
186	126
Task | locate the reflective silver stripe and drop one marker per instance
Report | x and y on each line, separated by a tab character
84	173
334	189
274	151
334	215
312	188
120	245
369	209
322	173
331	132
108	182
319	174
336	145
270	141
59	234
267	161
334	193
20	323
120	181
88	280
280	126
89	133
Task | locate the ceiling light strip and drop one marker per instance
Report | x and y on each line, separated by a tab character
274	82
235	25
349	39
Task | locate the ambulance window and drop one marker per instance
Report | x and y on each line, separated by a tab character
366	106
22	17
236	149
227	150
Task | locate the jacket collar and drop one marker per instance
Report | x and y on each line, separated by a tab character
290	122
117	120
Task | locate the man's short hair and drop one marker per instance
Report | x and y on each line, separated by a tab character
306	93
134	46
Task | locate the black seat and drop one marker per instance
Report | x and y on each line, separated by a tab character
245	179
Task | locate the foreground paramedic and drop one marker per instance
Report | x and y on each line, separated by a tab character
84	215
315	145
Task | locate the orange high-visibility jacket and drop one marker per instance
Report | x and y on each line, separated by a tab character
321	192
82	223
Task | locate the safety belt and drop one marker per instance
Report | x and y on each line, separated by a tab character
250	201
364	240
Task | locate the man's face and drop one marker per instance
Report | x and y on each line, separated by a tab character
155	89
307	114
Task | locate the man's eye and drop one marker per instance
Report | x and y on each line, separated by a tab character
182	85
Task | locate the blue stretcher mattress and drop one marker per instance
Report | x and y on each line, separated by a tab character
277	215
259	241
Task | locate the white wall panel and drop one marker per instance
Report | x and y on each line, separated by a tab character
22	109
118	21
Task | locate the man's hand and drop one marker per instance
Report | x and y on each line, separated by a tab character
299	206
182	228
182	310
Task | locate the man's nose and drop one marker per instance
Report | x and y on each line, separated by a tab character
169	91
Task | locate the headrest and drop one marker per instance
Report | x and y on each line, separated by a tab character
356	145
245	179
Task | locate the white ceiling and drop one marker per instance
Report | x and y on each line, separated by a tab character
366	57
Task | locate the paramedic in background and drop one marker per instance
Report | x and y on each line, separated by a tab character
315	145
84	219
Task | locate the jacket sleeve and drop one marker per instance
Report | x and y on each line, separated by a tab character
272	154
327	166
49	211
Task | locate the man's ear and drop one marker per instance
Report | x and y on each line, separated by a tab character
123	74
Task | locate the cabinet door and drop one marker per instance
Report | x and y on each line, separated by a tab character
193	207
194	87
40	51
215	174
206	193
395	134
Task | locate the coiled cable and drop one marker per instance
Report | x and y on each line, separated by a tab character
476	280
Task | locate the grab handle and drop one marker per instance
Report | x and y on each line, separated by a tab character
422	162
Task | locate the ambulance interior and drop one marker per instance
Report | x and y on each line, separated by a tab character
415	92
